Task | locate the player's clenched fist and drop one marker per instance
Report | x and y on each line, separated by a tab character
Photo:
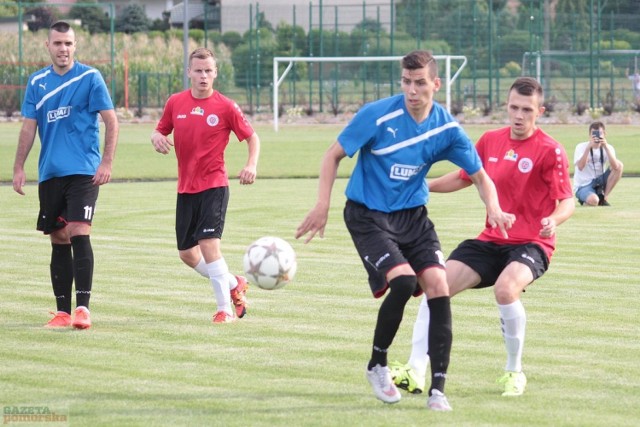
161	143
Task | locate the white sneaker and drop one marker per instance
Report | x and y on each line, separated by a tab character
383	386
438	401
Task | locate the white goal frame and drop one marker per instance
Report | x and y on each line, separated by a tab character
277	79
540	56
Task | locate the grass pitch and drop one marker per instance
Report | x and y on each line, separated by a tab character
293	152
298	357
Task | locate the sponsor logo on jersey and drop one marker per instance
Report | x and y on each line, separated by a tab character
392	131
43	86
58	114
511	156
493	160
525	165
404	172
197	111
212	120
181	116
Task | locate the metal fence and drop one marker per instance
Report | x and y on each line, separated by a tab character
585	57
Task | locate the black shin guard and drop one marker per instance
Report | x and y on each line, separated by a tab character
440	339
61	269
82	268
390	316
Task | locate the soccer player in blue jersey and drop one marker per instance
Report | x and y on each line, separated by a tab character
397	140
62	103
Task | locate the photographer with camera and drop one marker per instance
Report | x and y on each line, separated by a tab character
597	169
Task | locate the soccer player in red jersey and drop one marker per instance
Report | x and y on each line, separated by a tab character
531	175
201	120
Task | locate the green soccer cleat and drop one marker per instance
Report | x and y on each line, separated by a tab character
514	383
406	378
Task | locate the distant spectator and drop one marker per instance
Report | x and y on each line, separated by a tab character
597	169
635	84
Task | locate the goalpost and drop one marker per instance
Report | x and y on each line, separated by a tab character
540	56
277	80
591	62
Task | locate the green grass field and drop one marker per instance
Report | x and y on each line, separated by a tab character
292	152
153	358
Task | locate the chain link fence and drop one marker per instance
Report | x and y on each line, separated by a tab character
586	57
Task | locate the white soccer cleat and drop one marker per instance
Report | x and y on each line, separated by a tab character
438	401
383	387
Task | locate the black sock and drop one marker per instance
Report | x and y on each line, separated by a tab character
82	268
390	316
440	339
61	269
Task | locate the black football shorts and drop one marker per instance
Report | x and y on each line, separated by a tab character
200	216
66	199
386	240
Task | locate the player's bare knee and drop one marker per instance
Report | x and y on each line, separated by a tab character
506	295
437	289
190	257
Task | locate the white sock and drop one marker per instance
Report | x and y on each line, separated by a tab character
218	275
514	321
419	359
233	282
202	269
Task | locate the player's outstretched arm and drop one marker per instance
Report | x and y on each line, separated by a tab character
448	183
316	219
487	191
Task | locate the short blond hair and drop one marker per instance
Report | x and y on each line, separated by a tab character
202	53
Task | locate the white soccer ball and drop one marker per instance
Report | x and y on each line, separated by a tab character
270	263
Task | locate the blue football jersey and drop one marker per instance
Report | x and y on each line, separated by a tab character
395	153
66	108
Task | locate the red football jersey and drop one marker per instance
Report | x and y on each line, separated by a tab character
530	176
201	129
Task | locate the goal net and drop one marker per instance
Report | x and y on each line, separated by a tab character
448	77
